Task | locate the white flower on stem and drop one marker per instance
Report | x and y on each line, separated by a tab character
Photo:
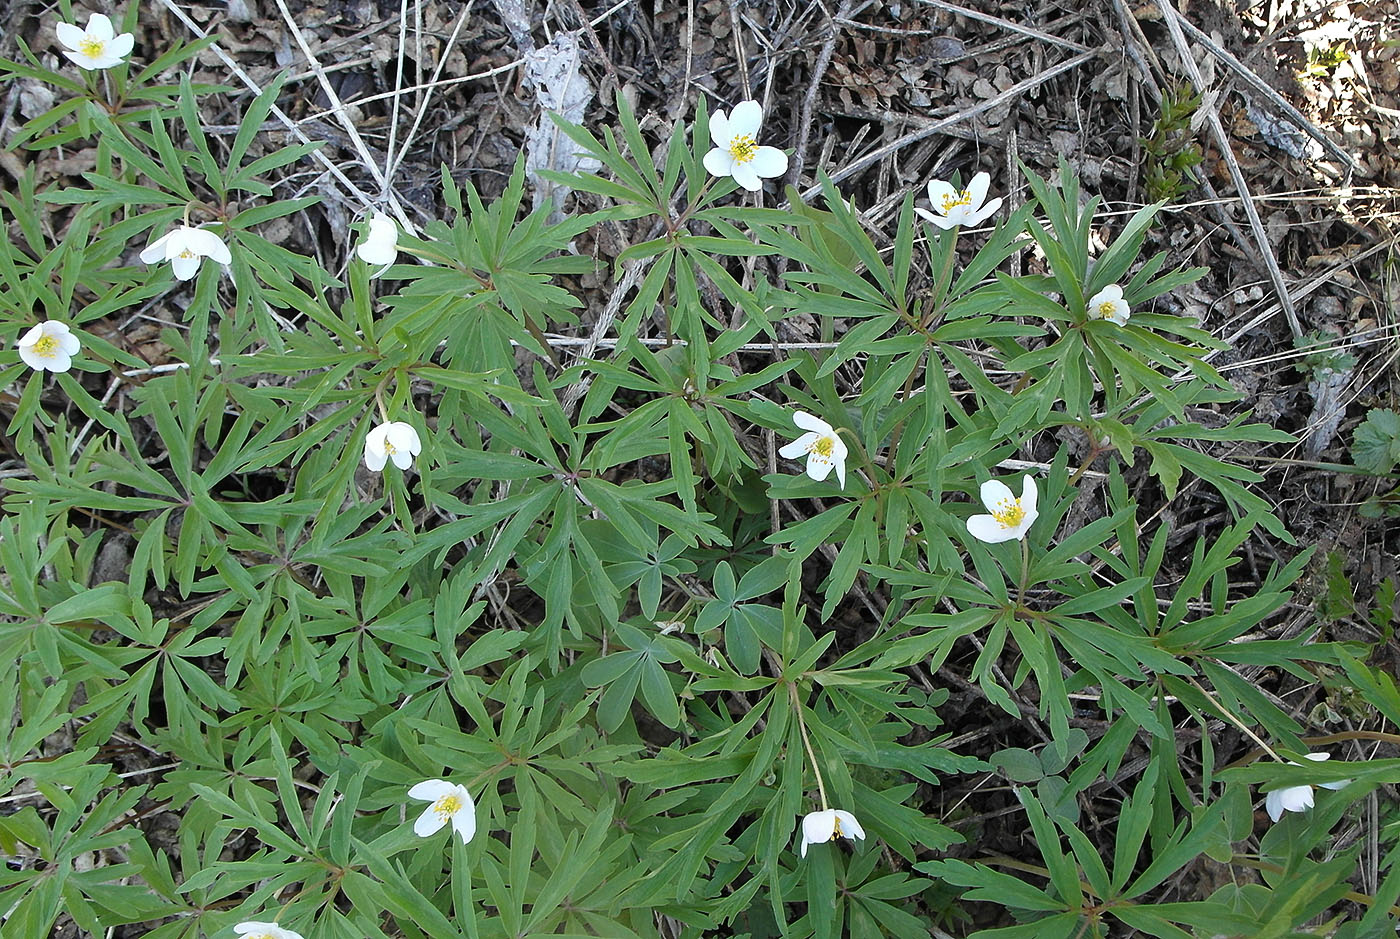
396	441
1108	304
823	446
953	207
827	825
1010	517
450	803
184	248
381	244
49	346
265	931
737	153
96	47
1297	798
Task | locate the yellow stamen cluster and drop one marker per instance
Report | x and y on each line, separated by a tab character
90	47
742	148
46	347
953	200
389	448
449	805
186	254
823	446
837	832
1106	309
1009	513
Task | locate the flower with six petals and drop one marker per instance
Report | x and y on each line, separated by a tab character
1010	517
50	346
1108	304
396	441
953	207
381	244
450	803
823	446
1297	798
827	825
184	248
737	154
252	930
96	47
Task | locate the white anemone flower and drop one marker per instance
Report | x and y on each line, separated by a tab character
50	346
1010	517
253	930
381	244
450	803
1108	304
184	248
737	153
1297	798
823	446
96	47
396	441
953	207
827	825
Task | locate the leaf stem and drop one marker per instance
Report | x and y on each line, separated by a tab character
1234	720
811	755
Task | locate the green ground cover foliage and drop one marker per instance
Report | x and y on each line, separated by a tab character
598	598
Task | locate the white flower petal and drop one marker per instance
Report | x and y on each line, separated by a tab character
994	492
769	162
799	446
430	790
34	334
156	250
100	27
720	134
184	268
811	422
818	466
1273	804
68	34
121	47
745	120
35	361
205	243
977	189
1296	798
719	162
745	176
1030	497
819	827
987	529
429	823
841	471
464	821
850	828
940	190
986	212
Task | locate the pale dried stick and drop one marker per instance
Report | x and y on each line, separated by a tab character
431	86
337	107
1004	24
291	125
1266	253
929	130
1261	87
804	121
